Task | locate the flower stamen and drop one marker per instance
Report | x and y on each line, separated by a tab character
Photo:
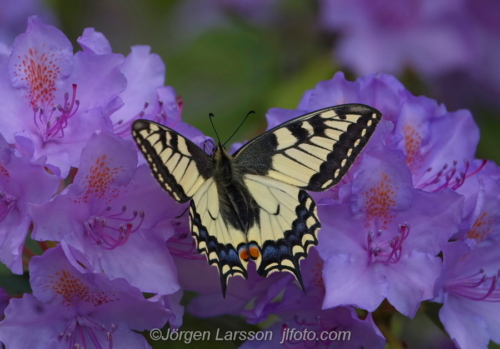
122	127
102	229
388	251
181	244
81	329
477	287
450	177
52	124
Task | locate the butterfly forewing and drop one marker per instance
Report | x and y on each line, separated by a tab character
313	151
179	165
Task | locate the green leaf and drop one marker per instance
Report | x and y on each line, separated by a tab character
432	311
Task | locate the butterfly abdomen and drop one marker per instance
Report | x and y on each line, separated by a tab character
238	208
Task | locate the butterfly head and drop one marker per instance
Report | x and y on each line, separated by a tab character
220	154
217	148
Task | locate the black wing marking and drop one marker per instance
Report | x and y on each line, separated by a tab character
287	227
313	151
179	165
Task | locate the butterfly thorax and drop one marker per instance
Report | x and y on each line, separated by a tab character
237	206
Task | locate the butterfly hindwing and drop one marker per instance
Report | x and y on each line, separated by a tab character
179	165
287	226
215	236
313	151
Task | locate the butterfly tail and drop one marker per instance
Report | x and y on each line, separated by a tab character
224	277
298	276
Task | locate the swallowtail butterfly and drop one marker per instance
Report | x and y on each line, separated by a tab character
254	203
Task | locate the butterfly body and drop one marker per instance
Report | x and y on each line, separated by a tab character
254	204
236	204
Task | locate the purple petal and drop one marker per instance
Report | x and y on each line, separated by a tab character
18	190
131	262
383	186
469	281
144	72
107	158
349	281
412	281
13	232
28	322
94	42
442	212
56	282
43	55
332	92
485	222
466	330
276	116
98	79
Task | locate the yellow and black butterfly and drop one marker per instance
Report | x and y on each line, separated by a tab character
254	204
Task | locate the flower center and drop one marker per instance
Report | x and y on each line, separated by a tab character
99	181
380	200
387	251
413	147
39	70
477	287
74	290
51	124
83	332
7	203
110	230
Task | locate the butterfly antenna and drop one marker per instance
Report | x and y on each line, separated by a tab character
250	112
210	116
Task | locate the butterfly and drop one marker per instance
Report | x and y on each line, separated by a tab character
254	204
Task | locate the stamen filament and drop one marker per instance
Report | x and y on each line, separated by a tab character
472	287
102	231
388	251
51	125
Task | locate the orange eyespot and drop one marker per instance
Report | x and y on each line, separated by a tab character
254	252
244	254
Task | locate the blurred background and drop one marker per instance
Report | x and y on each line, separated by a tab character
228	57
